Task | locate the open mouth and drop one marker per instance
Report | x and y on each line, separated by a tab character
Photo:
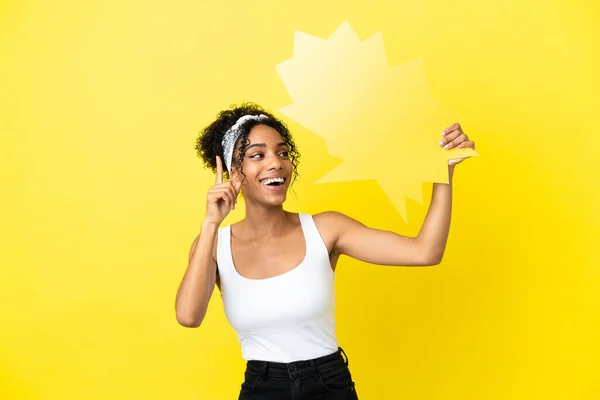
273	181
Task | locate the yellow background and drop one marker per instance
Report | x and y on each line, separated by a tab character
102	195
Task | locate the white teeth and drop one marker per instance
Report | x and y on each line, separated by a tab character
271	180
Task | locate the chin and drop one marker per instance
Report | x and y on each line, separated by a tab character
277	201
269	200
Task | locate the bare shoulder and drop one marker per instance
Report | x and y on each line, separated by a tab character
334	219
331	224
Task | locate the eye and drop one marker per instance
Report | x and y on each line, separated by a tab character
285	153
254	155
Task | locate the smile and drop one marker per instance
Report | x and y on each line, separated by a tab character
273	181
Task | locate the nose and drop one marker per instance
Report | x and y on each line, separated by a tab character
274	162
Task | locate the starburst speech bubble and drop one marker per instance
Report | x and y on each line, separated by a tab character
380	121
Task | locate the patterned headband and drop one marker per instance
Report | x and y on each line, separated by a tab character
232	135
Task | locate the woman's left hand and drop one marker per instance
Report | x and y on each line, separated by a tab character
453	136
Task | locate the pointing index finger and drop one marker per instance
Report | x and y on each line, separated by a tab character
219	176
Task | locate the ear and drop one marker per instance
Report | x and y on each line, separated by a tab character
234	176
236	179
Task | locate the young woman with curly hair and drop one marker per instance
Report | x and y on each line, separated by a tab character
275	269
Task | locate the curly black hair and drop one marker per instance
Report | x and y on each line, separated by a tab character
208	142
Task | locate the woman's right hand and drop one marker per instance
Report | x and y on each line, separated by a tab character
221	197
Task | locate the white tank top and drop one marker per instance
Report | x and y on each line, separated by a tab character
284	318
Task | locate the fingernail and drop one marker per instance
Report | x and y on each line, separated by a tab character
441	143
443	133
447	146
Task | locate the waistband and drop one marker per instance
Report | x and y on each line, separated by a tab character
294	369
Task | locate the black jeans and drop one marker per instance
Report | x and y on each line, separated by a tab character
326	377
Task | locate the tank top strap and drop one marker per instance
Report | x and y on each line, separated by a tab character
312	236
224	264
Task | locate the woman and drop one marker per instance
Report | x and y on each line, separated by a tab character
275	269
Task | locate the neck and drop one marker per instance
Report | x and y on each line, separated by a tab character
264	222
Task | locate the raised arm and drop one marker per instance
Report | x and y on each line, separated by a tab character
199	280
388	248
381	247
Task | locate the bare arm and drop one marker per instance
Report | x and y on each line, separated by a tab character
198	283
433	235
199	280
376	246
381	247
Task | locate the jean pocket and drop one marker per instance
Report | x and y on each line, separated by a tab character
250	381
337	380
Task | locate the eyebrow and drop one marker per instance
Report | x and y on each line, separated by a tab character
263	145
